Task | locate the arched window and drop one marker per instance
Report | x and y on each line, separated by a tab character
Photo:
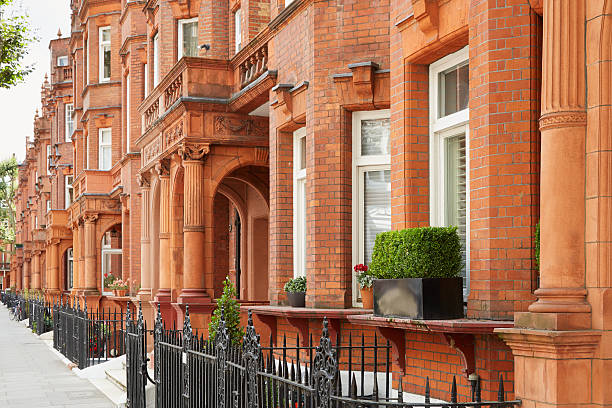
111	257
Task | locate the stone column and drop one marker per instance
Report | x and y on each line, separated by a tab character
26	271
194	264
36	270
561	300
53	263
90	284
164	293
145	237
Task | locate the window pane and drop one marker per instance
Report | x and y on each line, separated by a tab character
455	189
375	137
105	35
105	136
237	30
62	61
453	90
107	62
376	207
106	158
301	227
302	148
190	39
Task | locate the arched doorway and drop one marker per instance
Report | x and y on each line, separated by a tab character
241	218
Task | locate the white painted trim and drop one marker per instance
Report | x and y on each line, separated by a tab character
179	45
299	207
102	145
439	130
360	164
102	45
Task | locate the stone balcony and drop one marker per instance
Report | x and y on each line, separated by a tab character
93	182
192	79
57	218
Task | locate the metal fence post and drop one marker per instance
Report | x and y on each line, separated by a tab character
187	337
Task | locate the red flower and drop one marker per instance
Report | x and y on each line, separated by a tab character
361	268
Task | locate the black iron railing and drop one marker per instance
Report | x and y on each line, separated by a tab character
190	371
87	337
40	315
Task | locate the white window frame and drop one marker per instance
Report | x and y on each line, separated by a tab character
360	165
440	129
101	146
127	112
86	62
155	60
288	2
237	30
299	207
48	205
70	267
69	121
110	251
180	34
103	46
47	160
60	59
67	188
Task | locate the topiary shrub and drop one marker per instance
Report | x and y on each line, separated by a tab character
231	313
296	285
427	252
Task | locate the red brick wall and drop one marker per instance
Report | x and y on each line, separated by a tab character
504	155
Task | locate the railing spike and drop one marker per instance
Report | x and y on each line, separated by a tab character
375	388
353	392
427	399
400	390
477	393
500	391
454	390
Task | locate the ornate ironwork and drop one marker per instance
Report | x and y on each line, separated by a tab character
324	369
221	345
187	338
251	351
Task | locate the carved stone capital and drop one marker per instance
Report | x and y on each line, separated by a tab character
537	6
90	218
162	169
194	151
143	180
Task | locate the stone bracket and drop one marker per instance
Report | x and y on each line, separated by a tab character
464	344
426	13
270	322
302	327
397	338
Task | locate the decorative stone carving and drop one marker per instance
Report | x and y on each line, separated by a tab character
174	134
194	151
151	151
162	169
143	181
90	218
563	119
224	125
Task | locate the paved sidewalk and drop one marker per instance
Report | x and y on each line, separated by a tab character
32	376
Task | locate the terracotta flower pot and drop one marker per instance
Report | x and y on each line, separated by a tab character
120	292
367	297
115	292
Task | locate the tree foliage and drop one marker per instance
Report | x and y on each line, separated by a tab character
8	186
231	313
15	37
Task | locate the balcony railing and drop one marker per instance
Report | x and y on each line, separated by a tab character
191	77
66	73
254	66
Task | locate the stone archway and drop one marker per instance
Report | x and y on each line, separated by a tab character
241	235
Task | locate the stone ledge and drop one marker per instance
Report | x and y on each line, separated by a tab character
471	326
551	344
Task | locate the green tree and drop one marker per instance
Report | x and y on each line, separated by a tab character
15	37
231	313
8	186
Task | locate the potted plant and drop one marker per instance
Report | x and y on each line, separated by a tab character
296	291
109	278
120	287
417	273
230	307
365	281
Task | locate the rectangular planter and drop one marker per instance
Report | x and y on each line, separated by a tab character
419	298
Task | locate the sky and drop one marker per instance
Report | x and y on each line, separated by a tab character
18	104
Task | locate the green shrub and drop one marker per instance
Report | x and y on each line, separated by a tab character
296	285
537	246
231	312
427	252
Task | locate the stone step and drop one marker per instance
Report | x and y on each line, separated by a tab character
118	377
111	391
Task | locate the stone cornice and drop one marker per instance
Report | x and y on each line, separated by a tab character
550	344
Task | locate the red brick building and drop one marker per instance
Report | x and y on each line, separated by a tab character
267	139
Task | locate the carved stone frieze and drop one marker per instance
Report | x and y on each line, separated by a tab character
151	151
174	134
244	127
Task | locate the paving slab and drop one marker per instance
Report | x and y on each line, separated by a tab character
32	376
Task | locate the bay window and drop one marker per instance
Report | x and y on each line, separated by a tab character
62	61
299	202
449	143
104	149
371	183
69	122
188	38
105	54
